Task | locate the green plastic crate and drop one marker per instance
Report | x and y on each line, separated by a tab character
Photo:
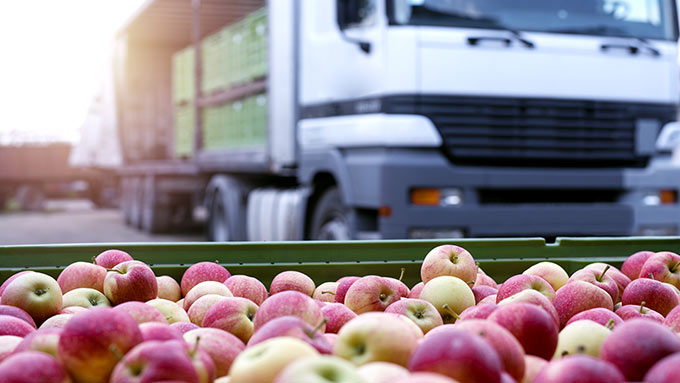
328	261
184	131
257	44
183	83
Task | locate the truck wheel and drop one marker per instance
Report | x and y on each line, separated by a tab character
136	201
331	219
31	197
218	222
155	215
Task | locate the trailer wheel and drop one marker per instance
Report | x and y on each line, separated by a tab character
136	201
218	222
31	197
155	215
331	219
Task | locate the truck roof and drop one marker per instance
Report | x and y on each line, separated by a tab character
170	21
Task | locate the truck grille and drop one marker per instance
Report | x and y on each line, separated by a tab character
540	132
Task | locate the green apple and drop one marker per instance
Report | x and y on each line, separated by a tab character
581	337
85	297
36	293
320	369
449	295
264	361
171	310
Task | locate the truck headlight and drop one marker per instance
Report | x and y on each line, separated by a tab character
669	137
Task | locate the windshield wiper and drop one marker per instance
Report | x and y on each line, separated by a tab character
474	40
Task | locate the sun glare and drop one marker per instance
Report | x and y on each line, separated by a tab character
50	65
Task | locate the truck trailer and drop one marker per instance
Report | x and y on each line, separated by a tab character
382	119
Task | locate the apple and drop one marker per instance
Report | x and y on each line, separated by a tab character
601	280
17	312
421	312
448	260
664	267
553	273
168	288
10	325
264	361
288	303
579	296
480	311
509	349
84	297
372	337
331	338
370	293
337	315
8	344
130	281
449	295
108	259
672	320
155	361
581	337
657	295
201	272
12	278
426	377
36	293
43	340
203	363
533	366
535	298
200	308
325	292
459	355
627	312
292	281
491	299
293	327
320	369
521	282
234	315
344	284
579	368
415	291
92	342
205	288
485	280
533	327
31	367
222	346
633	264
636	345
142	312
621	279
247	287
382	372
56	321
184	327
665	370
82	275
72	310
172	311
481	292
598	315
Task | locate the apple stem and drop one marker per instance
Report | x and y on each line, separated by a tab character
328	292
195	349
449	310
217	261
116	352
675	267
403	270
642	307
317	328
471	283
610	324
651	275
599	279
94	260
117	271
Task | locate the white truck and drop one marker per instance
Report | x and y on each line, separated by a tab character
406	119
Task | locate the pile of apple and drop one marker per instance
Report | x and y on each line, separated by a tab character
114	320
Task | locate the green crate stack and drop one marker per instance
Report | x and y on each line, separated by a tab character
184	131
237	62
257	44
183	75
258	129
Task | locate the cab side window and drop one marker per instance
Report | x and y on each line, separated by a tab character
356	13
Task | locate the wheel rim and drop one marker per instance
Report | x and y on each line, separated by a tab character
335	230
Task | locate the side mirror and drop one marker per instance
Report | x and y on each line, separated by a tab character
355	13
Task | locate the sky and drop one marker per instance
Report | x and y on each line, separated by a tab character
50	63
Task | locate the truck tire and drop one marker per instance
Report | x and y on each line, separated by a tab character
218	221
126	200
31	197
331	219
136	202
155	215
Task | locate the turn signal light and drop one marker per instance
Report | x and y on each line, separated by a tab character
429	197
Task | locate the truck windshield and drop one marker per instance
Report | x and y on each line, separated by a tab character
648	19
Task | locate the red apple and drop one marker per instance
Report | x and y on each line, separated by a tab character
36	293
201	272
172	311
247	287
200	308
521	282
579	368
621	279
598	315
141	312
292	327
421	312
658	296
663	267
553	273
457	354
533	366
480	311
292	281
627	312
288	303
17	312
234	315
82	275
56	321
159	332
205	288
168	288
579	296
382	372
636	345
337	315
344	284
448	260
481	292
184	327
10	325
491	299
12	278
601	280
633	264
222	346
92	342
535	298
72	310
415	291
325	292
32	367
531	325
665	371
130	281
43	340
110	258
426	377
398	286
485	280
370	293
155	361
8	343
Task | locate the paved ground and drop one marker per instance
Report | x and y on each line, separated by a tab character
75	222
